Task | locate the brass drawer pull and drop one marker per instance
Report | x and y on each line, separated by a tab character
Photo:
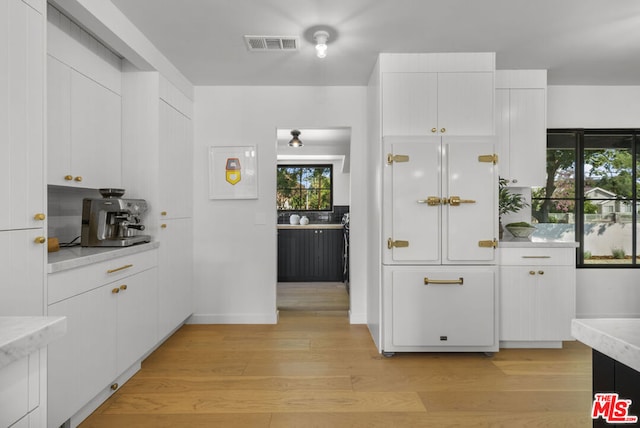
458	281
391	158
119	269
536	257
123	287
398	244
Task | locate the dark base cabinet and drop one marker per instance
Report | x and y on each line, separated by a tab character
308	255
610	376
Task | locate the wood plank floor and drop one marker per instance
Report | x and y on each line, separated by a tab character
314	369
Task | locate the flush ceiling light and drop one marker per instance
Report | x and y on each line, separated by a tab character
295	141
321	38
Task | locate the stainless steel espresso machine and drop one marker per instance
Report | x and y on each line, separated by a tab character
112	221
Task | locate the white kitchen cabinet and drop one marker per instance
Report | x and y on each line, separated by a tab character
84	130
537	296
175	267
439	204
439	308
521	126
429	103
21	115
112	321
176	158
22	271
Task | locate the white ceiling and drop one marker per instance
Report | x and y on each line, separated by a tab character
578	41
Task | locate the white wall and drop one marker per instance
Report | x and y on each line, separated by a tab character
600	292
235	240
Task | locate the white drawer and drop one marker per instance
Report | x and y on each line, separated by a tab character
538	256
68	283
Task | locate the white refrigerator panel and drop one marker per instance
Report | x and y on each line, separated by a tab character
470	183
411	225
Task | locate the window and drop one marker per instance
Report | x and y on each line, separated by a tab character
591	194
305	188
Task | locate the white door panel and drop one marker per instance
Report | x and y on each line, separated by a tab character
473	219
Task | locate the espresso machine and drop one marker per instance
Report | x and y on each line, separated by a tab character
112	221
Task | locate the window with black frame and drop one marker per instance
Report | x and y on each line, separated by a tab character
304	188
592	192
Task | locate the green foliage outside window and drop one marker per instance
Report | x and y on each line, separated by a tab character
304	188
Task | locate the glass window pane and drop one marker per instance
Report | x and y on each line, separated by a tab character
608	167
607	239
304	188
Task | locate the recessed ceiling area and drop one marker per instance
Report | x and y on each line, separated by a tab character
580	42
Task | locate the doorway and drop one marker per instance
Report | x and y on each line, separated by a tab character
313	199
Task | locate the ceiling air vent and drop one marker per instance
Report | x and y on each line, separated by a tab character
272	43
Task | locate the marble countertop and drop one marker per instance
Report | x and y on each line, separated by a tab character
69	258
515	243
20	336
617	338
311	226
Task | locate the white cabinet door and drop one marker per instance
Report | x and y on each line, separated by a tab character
470	184
21	115
555	302
521	129
410	180
517	303
137	316
176	161
439	308
456	103
95	133
22	273
465	103
58	123
175	261
82	362
409	103
14	391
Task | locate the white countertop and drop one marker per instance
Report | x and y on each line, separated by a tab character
617	338
311	226
524	243
69	258
20	336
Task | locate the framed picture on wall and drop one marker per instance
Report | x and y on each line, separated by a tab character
233	172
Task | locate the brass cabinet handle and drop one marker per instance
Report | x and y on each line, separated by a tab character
40	240
536	257
532	272
115	290
443	130
540	272
391	158
459	281
119	269
456	201
398	244
114	386
163	213
431	201
163	226
123	287
434	129
68	177
39	217
78	179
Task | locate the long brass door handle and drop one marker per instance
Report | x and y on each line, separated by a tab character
459	281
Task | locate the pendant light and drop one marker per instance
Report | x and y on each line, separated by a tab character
295	141
321	38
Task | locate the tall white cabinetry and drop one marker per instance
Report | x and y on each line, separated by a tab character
521	126
439	208
22	189
158	154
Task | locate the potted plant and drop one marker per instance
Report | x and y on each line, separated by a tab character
508	202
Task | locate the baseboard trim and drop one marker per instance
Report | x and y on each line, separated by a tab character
271	318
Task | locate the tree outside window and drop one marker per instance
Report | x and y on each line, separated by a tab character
304	188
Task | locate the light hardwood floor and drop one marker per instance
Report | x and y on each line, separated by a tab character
314	369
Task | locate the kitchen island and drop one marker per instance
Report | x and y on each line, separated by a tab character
616	363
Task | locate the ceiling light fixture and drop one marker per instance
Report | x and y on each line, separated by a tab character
321	38
295	141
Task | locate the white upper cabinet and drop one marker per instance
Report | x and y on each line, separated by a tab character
439	200
521	126
21	116
437	94
84	130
